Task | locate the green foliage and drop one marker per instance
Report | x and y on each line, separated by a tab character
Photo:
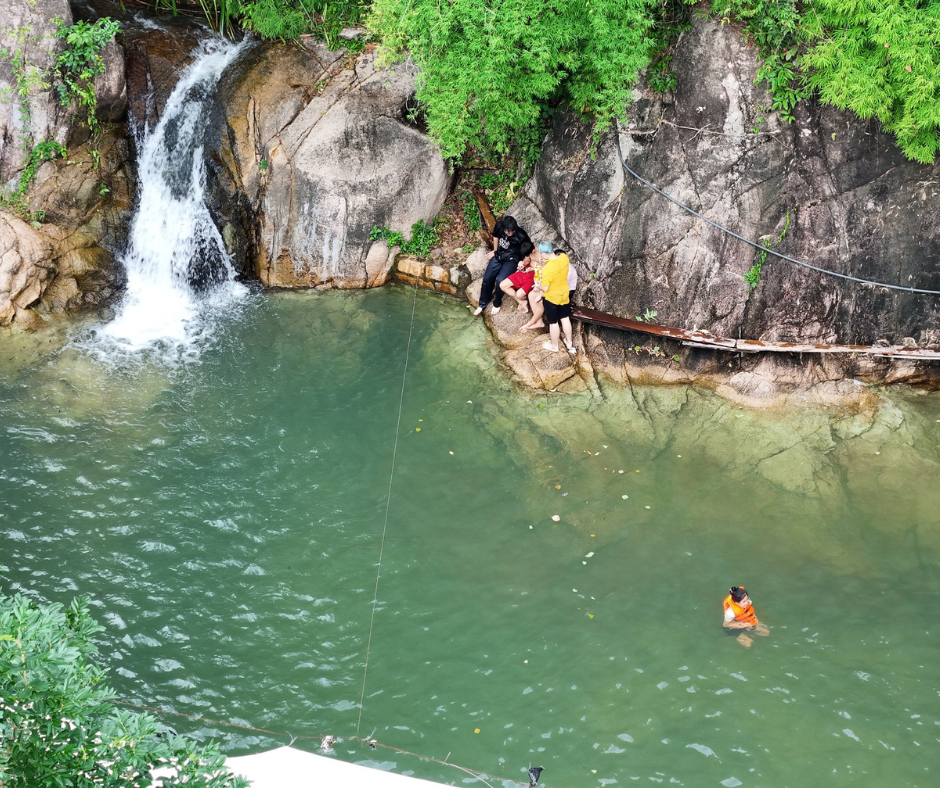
58	725
672	18
752	277
80	62
392	237
424	238
488	69
881	60
878	58
776	28
471	212
647	317
661	77
286	20
47	150
42	151
28	77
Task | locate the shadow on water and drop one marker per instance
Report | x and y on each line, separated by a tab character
226	515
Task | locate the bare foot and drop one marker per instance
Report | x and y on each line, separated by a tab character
478	311
540	324
523	308
761	630
745	640
548	346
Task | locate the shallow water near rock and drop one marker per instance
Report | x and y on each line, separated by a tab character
227	517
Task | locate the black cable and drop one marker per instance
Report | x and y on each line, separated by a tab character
765	248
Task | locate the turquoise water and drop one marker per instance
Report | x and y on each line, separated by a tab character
227	514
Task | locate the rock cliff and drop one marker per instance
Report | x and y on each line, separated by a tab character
312	149
57	255
837	190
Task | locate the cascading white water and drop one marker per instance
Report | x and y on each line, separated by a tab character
178	270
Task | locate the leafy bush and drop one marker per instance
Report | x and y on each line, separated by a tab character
58	725
881	60
277	19
471	212
424	238
489	68
878	58
80	62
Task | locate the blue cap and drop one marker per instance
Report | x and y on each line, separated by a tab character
545	247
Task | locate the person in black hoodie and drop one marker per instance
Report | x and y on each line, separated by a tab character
508	238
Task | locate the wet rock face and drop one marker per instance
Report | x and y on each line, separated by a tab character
155	58
855	206
314	150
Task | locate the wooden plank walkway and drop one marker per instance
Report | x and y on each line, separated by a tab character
704	339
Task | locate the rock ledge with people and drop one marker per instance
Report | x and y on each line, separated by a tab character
524	297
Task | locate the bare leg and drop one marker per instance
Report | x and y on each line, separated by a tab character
566	327
522	300
507	288
538	309
553	332
745	640
761	630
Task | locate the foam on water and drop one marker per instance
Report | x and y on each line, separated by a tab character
178	271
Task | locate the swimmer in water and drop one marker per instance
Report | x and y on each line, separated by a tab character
739	614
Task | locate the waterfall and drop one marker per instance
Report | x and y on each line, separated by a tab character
178	271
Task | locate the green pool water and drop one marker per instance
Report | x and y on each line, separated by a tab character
226	514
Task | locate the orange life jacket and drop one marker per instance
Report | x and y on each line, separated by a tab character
743	614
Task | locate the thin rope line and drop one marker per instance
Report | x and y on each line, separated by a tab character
388	503
765	248
370	742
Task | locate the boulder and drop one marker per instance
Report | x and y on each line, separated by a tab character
313	150
828	189
67	263
26	267
523	353
28	34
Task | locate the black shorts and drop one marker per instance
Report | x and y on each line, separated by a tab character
555	312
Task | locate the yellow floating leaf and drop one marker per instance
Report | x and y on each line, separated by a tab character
476	730
590	615
417	429
557	486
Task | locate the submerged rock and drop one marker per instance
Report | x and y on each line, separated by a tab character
316	148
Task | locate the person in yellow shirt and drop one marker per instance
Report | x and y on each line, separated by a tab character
552	283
